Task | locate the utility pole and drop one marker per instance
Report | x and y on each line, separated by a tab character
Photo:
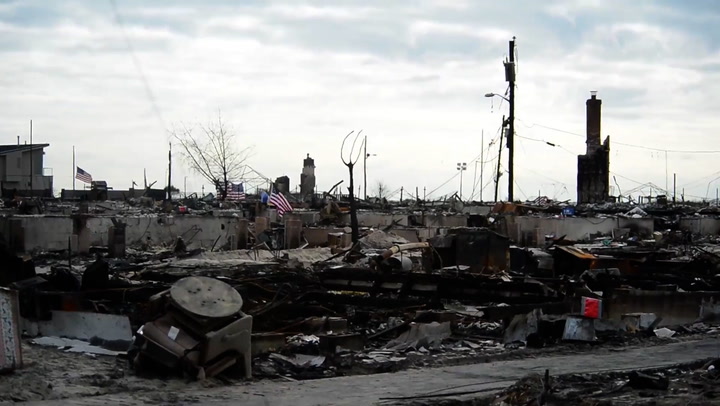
497	173
31	160
510	77
169	172
402	188
674	187
417	194
74	170
365	157
482	162
424	193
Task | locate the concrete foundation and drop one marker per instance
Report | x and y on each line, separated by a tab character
116	241
701	225
242	234
675	308
531	231
50	233
261	224
293	232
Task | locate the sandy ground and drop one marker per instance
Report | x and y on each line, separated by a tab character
61	378
51	373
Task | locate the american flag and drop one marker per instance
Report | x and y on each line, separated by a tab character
82	176
280	202
235	192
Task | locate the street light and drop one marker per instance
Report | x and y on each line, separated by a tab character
365	158
461	167
498	95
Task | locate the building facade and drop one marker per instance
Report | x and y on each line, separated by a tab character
22	170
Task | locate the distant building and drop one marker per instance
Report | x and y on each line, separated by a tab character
22	170
283	184
593	176
307	177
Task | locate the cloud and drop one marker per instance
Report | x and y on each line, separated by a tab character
308	12
421	29
294	77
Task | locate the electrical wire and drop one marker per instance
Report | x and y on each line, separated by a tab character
520	189
486	151
138	65
678	151
472	160
445	183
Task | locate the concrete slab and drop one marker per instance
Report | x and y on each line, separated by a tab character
85	326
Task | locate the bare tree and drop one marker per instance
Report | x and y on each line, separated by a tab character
210	150
381	189
350	163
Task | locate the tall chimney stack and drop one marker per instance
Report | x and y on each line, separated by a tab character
593	105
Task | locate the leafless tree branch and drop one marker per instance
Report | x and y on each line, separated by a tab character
211	151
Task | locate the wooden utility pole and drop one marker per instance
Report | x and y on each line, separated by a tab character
365	157
510	77
169	195
31	161
482	162
497	173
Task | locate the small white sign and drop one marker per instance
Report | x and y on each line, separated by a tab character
173	332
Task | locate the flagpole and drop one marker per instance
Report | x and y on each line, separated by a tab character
74	171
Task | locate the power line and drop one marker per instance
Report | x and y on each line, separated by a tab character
485	151
521	191
138	65
623	143
490	181
445	183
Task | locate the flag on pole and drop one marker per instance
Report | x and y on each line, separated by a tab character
235	192
280	202
82	176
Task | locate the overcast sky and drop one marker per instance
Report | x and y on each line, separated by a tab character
294	77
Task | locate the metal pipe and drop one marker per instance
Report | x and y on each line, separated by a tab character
404	247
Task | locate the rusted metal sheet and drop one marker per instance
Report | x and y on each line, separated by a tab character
576	252
10	351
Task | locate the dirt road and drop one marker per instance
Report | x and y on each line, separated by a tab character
371	389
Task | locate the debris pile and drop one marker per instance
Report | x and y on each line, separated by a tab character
202	331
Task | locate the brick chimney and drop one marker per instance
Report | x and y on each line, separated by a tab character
593	105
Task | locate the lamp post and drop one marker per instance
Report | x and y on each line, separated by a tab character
461	167
365	157
498	95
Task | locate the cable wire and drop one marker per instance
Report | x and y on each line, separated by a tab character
623	143
138	65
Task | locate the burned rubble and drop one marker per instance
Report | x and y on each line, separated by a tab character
267	301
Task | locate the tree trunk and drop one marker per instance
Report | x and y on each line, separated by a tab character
353	210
